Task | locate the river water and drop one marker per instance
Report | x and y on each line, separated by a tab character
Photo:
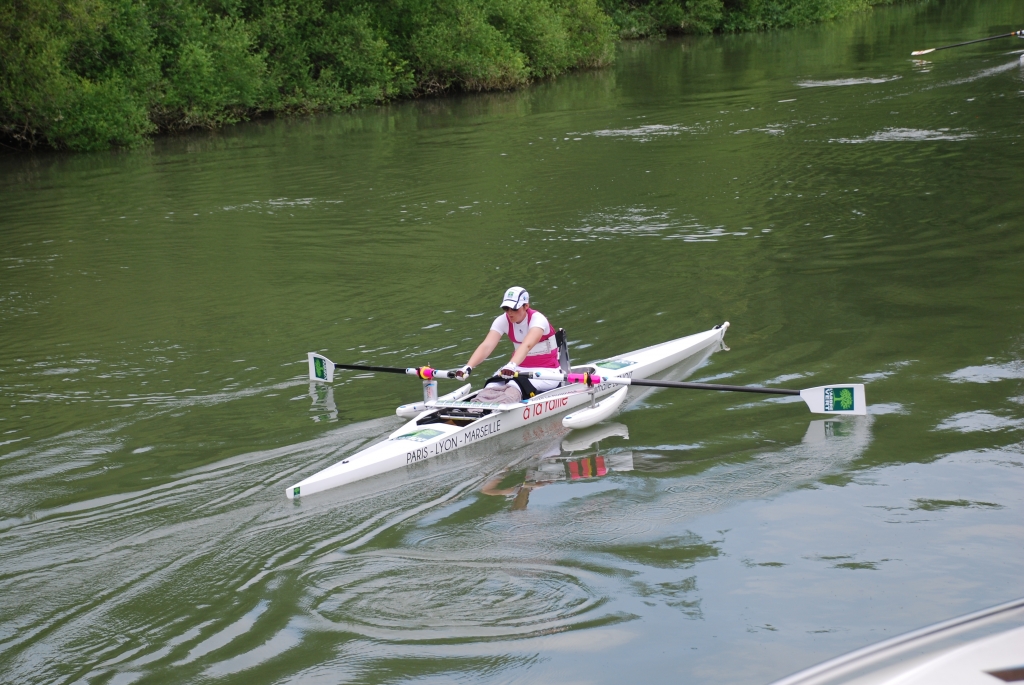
856	215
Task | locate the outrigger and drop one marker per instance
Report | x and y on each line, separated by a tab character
439	425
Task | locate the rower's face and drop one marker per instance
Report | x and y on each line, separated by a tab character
517	315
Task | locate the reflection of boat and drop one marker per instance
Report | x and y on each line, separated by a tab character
982	648
552	467
580	440
577	468
452	422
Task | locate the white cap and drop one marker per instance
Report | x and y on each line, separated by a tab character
515	297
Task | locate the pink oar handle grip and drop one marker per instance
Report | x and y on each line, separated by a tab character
424	372
429	374
587	378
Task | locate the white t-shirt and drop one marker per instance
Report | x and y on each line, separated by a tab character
538	320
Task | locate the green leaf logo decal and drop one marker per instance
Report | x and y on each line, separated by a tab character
422	435
615	364
838	399
319	368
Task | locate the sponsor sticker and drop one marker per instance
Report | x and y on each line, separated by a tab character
320	368
615	364
450	442
421	435
534	409
838	399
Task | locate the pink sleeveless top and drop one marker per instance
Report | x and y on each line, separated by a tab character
548	357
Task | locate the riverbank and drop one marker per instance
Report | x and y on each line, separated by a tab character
93	74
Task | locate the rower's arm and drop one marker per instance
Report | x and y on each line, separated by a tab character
532	338
485	348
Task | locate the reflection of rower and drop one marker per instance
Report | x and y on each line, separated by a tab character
551	467
548	471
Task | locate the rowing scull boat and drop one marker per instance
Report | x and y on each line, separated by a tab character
449	422
443	424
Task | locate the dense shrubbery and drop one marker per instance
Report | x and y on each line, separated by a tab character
88	74
636	18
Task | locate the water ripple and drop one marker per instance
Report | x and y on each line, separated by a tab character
979	421
988	373
908	134
847	81
403	597
645	133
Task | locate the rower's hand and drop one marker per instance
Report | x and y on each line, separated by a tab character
508	370
463	373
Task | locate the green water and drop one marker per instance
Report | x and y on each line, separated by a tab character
856	216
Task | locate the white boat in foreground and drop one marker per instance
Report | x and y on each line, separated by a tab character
452	421
982	648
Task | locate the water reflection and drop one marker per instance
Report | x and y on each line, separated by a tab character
324	407
552	466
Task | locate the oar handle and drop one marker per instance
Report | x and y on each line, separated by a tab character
584	378
427	373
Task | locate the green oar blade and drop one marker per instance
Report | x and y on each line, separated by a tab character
320	368
847	398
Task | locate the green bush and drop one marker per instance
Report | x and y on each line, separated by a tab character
461	47
98	114
636	18
752	15
43	100
320	58
91	74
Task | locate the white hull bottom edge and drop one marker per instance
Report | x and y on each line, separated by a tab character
423	438
981	648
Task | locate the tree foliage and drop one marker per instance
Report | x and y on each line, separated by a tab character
90	74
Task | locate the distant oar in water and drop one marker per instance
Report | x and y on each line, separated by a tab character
1019	34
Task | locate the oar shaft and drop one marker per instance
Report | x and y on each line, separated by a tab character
361	367
706	386
1011	34
424	372
591	380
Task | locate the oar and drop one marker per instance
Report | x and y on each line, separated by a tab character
824	399
969	42
847	398
322	369
361	367
703	386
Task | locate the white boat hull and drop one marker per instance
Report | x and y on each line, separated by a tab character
597	413
415	442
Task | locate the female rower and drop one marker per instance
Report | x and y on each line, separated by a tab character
535	348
